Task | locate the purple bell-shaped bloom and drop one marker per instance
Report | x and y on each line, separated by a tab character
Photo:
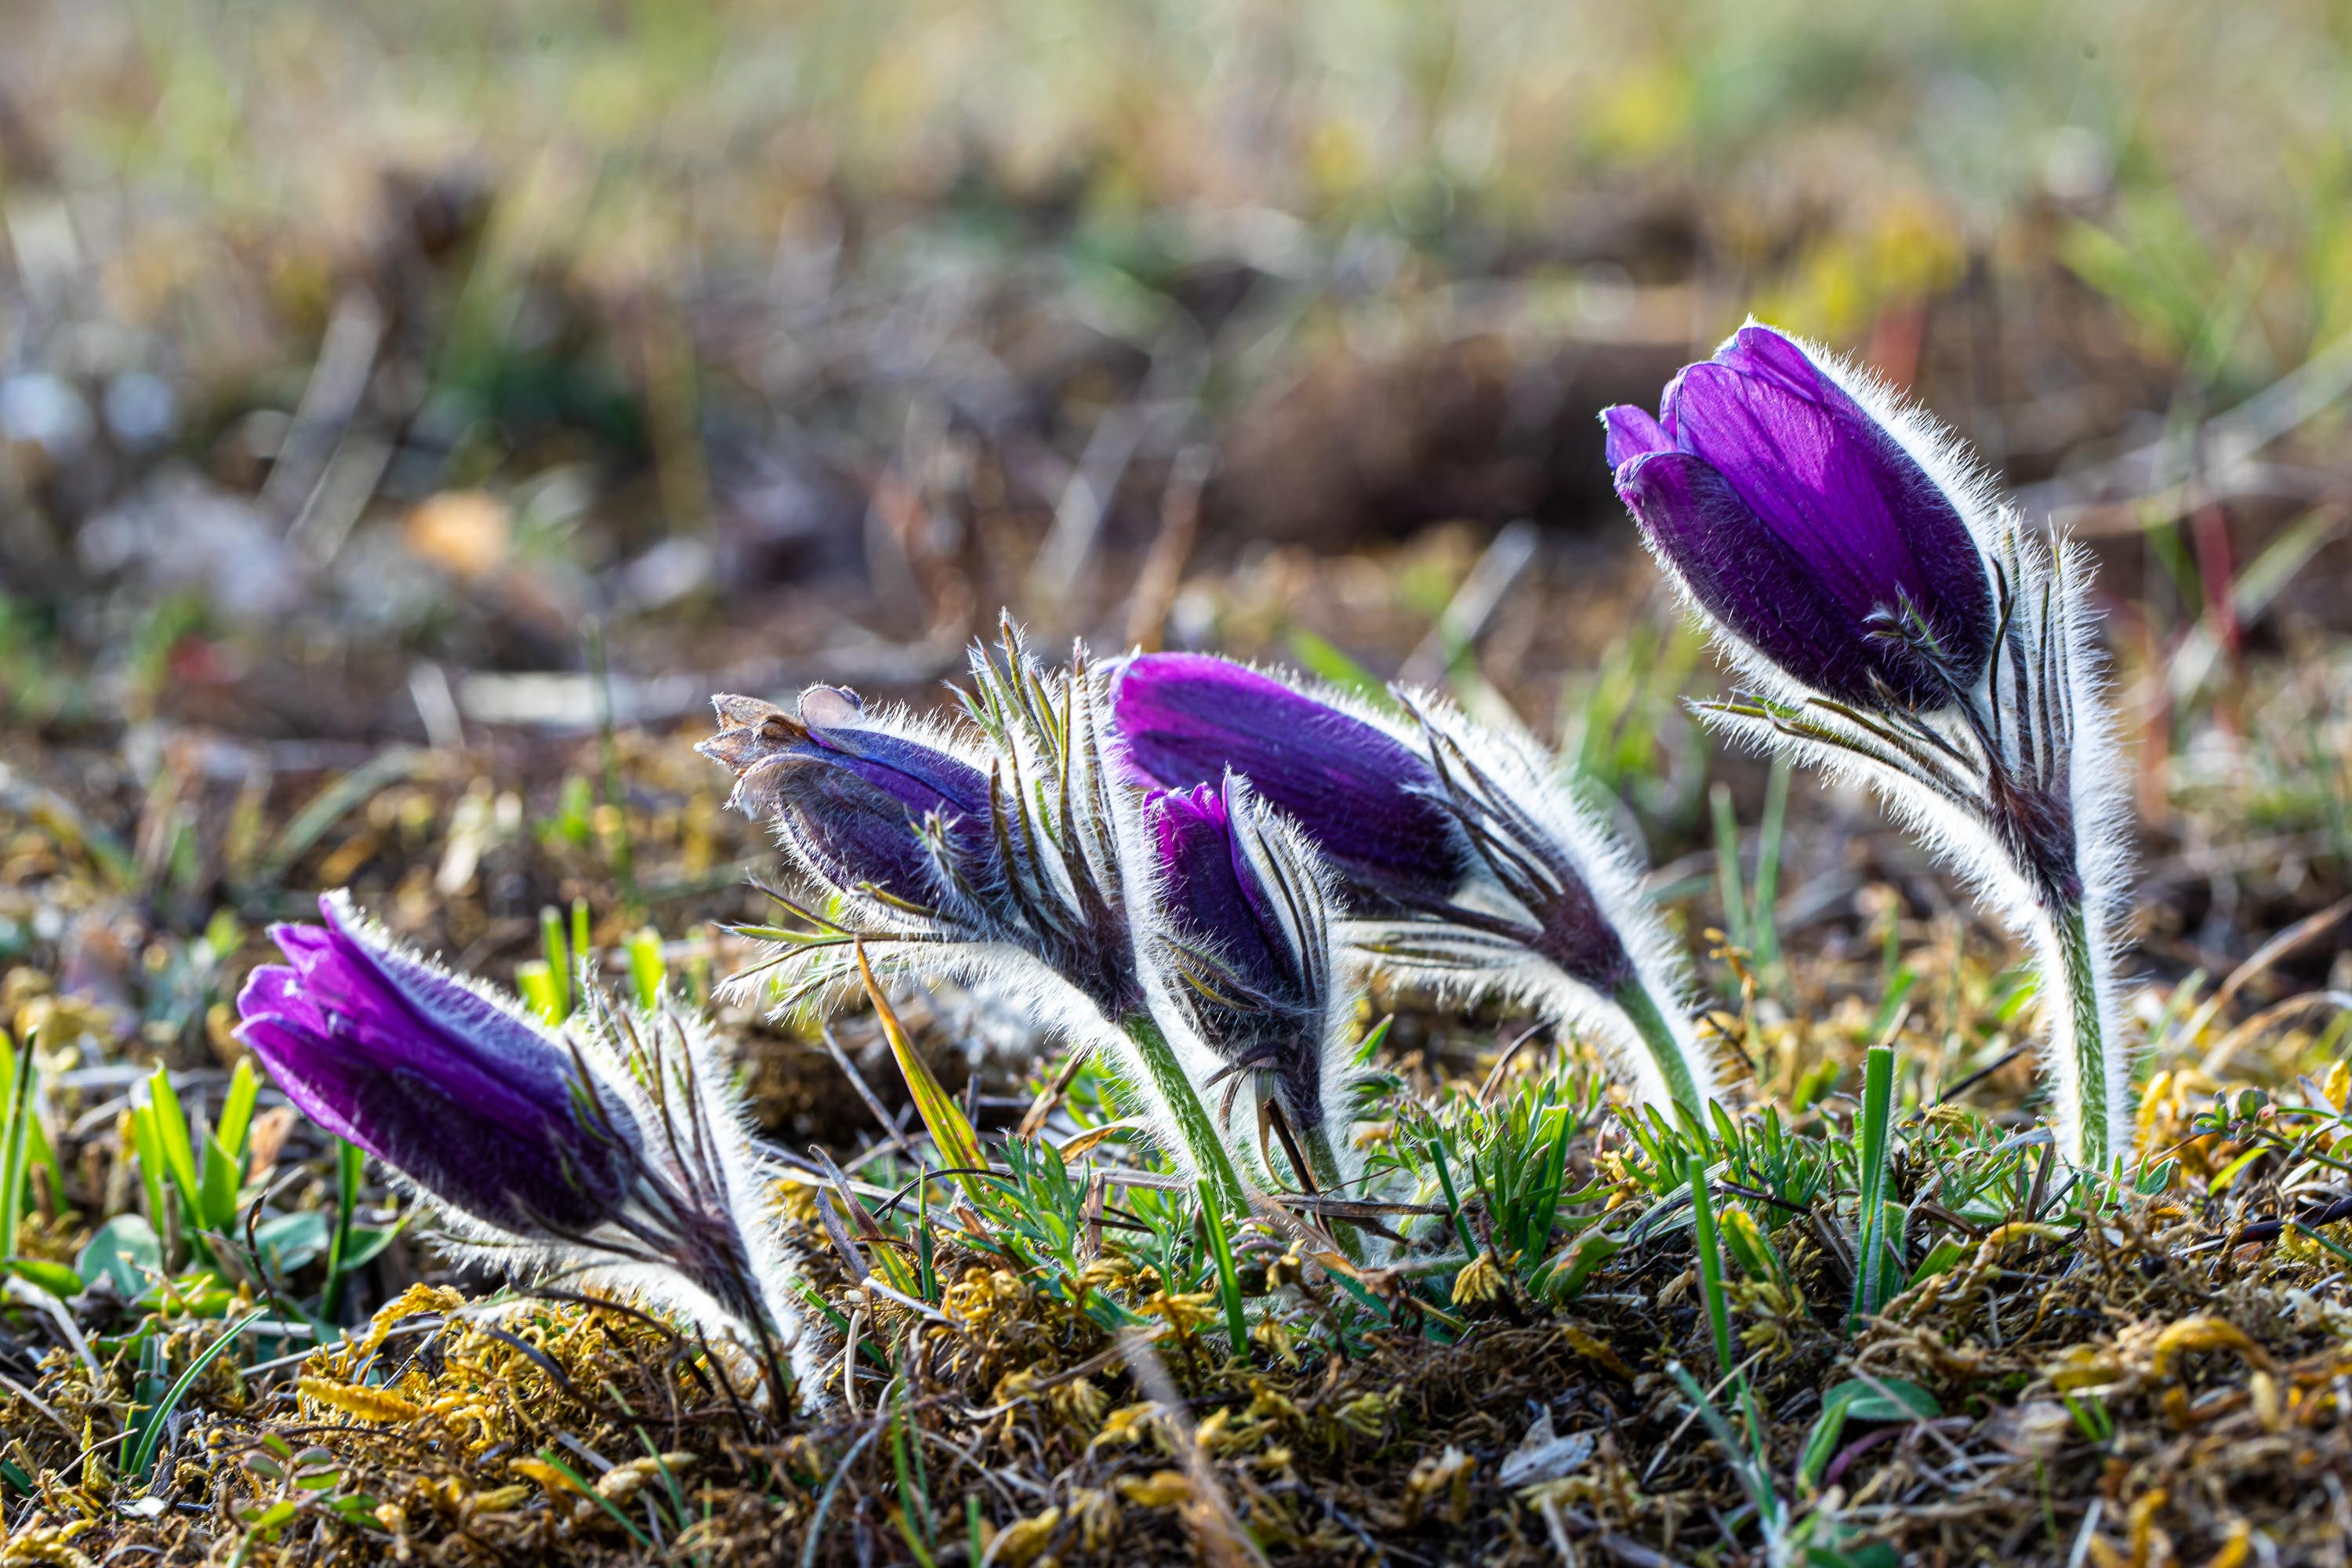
472	1101
1808	527
613	1154
998	849
848	796
1907	628
1468	863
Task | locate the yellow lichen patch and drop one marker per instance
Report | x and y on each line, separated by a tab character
551	1479
50	1545
1127	1423
2205	1333
623	1481
1018	1544
1094	1513
1483	1280
1440	1484
1162	1489
1366	1414
356	1399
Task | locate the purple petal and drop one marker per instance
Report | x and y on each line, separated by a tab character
1212	891
1187	718
1865	526
852	799
469	1100
509	1048
1746	575
1632	434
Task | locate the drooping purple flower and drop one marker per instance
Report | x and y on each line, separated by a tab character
973	840
1468	865
1247	917
855	799
1370	802
1803	524
614	1155
474	1102
1404	828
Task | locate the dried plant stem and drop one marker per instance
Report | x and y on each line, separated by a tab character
1641	1010
1323	1160
1174	1086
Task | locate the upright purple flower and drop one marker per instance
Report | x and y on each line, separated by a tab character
611	1154
1245	911
1909	628
1808	527
1471	865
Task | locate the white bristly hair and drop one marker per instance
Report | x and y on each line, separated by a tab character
1530	778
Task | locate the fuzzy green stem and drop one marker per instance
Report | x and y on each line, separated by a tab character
2078	1029
1174	1086
1634	1001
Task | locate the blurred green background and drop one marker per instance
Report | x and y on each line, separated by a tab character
473	374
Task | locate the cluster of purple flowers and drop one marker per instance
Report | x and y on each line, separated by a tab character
1184	865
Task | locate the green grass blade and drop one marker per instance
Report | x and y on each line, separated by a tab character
170	1125
16	1145
1229	1284
558	960
151	1432
648	972
1710	1260
1876	1131
237	1108
951	1131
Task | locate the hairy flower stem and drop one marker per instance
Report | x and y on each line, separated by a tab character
1641	1011
2070	983
1201	1144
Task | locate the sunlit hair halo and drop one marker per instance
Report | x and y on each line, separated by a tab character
1904	626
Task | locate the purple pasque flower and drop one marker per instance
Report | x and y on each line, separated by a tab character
1248	926
1913	632
1807	525
472	1101
1040	886
945	847
613	1154
1408	824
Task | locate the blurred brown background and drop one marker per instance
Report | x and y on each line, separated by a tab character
372	375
